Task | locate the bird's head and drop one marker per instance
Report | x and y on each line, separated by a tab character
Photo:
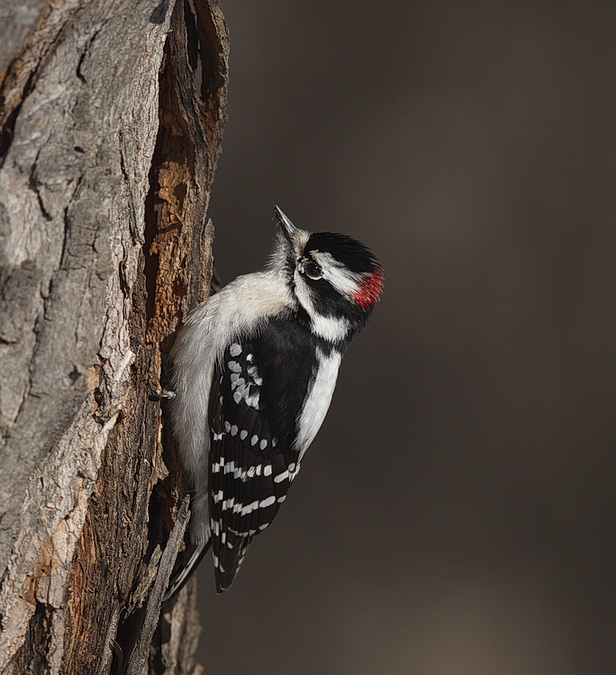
334	278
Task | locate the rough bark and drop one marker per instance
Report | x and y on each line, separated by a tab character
110	129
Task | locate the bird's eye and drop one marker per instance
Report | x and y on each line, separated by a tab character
313	270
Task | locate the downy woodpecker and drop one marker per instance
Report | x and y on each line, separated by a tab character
254	370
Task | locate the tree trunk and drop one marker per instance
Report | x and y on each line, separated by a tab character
111	127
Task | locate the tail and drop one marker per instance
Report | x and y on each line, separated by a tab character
228	552
199	538
186	564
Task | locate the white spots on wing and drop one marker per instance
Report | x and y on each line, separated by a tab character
247	533
242	388
247	509
293	475
243	434
249	357
253	401
234	429
227	504
236	380
281	476
244	385
290	473
281	499
253	440
274	442
264	526
240	472
217	496
217	437
235	349
227	426
254	373
263	444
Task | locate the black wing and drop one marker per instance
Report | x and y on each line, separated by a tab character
256	395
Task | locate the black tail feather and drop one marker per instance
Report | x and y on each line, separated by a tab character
186	564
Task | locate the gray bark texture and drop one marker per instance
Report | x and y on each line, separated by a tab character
111	118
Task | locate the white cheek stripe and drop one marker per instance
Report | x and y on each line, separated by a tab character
343	280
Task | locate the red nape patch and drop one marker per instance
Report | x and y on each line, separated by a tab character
370	290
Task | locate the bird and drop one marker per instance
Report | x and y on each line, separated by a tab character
254	368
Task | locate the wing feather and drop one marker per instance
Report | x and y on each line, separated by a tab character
247	461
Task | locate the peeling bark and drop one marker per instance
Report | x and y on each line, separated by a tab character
111	125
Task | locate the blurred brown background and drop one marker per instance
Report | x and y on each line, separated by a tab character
456	513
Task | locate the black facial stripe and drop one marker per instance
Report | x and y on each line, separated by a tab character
327	301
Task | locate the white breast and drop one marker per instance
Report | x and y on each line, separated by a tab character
318	399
